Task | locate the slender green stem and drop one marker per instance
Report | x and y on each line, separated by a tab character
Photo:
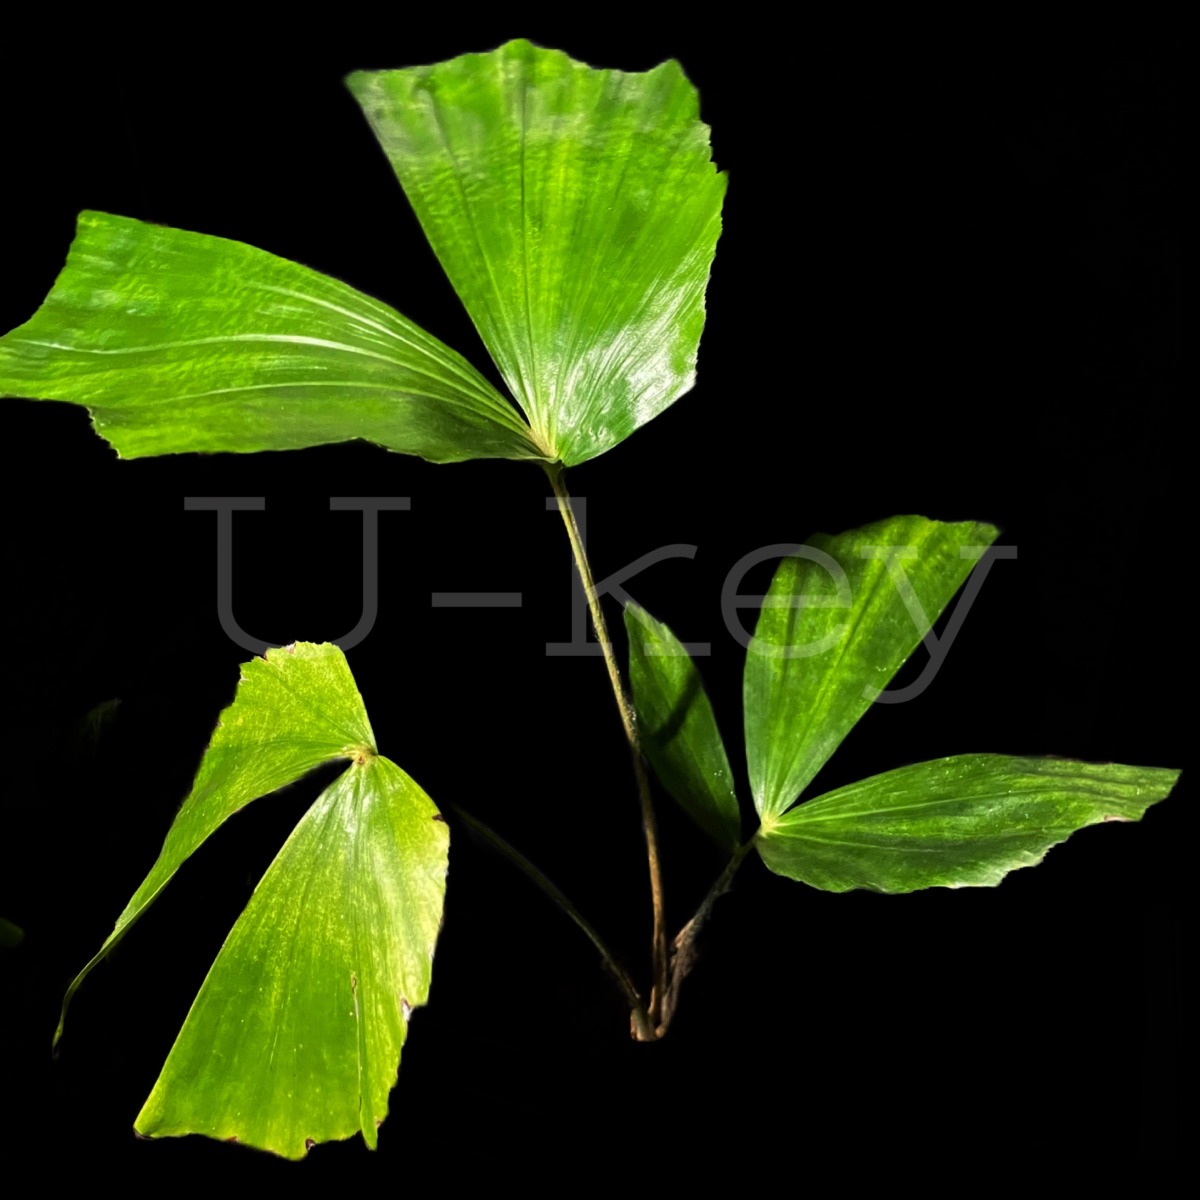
629	723
640	1019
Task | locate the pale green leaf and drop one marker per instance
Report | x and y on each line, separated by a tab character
296	1034
294	710
181	342
677	728
295	1037
954	822
576	211
838	622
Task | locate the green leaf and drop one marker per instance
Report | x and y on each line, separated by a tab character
296	1034
576	211
294	710
838	622
677	729
182	342
954	822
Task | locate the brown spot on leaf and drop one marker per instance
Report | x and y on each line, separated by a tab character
234	1138
439	817
308	1144
405	1009
1114	817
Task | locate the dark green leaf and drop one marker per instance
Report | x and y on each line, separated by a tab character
11	935
954	822
838	622
182	342
677	728
576	212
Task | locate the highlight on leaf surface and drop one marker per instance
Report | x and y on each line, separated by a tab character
841	617
179	342
954	822
295	1036
576	211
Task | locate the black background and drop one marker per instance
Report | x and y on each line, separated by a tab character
947	284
